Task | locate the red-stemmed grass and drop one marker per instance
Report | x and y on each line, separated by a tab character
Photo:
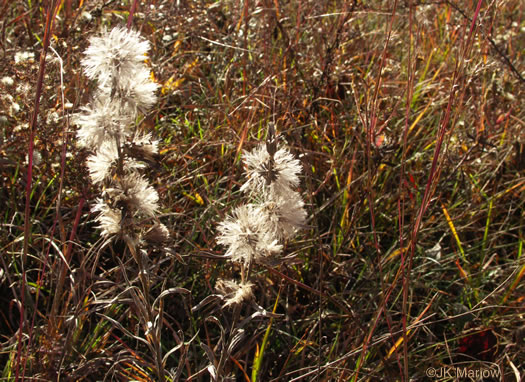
369	123
402	183
50	18
433	176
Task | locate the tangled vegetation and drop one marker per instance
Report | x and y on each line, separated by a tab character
399	124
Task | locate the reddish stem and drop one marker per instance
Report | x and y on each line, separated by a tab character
50	17
131	13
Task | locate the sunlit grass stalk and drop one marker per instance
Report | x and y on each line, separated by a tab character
260	354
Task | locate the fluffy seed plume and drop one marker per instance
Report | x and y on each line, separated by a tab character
286	214
109	219
134	193
103	120
114	55
234	293
246	234
116	60
277	173
104	161
257	230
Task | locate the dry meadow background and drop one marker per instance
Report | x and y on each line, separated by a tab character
409	121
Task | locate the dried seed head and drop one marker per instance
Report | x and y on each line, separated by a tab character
286	214
158	234
234	293
135	194
279	174
103	120
115	55
109	219
247	235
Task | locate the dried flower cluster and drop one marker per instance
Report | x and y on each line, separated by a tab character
107	127
257	230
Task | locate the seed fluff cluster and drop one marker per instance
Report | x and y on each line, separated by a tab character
128	204
257	230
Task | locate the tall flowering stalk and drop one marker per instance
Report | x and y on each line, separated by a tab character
258	230
107	127
127	206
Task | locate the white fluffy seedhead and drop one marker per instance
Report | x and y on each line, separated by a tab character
278	174
115	55
138	92
116	60
234	293
124	205
285	213
102	164
105	119
109	219
135	194
256	230
247	235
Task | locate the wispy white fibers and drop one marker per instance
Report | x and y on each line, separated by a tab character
138	92
115	55
109	219
135	194
105	160
246	234
259	229
143	147
234	293
285	214
272	179
147	142
278	175
103	120
116	61
101	163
